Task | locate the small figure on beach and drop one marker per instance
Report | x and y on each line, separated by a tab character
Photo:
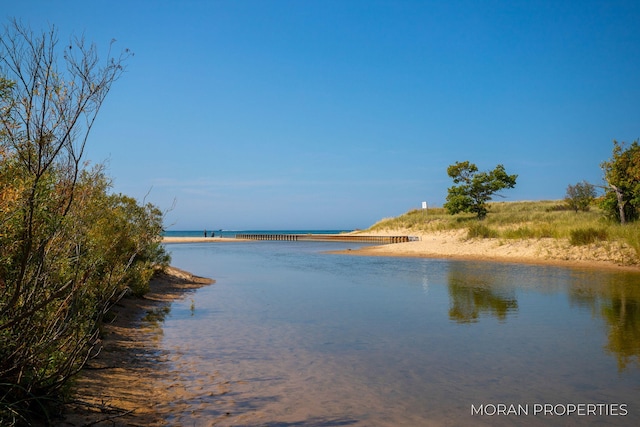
205	233
213	234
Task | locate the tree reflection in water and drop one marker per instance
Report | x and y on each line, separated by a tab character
615	297
479	292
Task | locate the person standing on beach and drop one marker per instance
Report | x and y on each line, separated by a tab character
205	233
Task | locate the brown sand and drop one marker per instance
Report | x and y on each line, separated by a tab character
454	244
122	385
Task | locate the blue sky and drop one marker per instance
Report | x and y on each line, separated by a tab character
335	114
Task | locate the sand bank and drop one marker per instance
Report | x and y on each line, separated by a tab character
549	251
454	244
125	385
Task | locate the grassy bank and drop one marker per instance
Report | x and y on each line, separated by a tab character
521	220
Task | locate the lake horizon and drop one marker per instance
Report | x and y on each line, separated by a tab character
233	233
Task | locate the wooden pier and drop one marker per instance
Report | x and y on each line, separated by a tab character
327	237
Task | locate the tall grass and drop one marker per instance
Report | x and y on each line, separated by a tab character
521	220
480	230
629	234
585	236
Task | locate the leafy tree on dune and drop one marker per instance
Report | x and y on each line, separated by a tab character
580	196
474	189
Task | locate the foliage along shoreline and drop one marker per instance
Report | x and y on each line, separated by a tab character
69	248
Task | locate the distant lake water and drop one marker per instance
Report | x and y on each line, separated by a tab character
291	336
233	233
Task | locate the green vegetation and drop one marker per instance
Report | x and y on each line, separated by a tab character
581	218
519	220
69	249
580	196
585	236
475	188
622	174
480	230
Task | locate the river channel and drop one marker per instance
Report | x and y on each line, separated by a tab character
290	335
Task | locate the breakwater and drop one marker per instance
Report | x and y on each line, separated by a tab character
327	237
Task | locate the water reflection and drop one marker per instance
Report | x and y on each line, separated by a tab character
475	293
290	336
616	299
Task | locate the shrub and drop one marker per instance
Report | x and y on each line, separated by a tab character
519	233
84	256
558	208
585	236
580	196
622	197
68	249
481	231
525	232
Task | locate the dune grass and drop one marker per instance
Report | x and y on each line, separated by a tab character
521	220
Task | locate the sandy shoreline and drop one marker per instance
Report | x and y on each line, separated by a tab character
123	385
454	244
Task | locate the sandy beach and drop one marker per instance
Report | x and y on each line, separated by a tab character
454	244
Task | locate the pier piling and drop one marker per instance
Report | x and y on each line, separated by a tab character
326	237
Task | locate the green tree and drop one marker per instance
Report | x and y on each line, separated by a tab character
475	188
580	196
622	175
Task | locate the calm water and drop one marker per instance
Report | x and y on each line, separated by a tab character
289	335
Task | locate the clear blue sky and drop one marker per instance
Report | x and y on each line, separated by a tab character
334	114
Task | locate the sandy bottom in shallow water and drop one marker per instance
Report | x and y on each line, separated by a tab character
131	382
121	386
